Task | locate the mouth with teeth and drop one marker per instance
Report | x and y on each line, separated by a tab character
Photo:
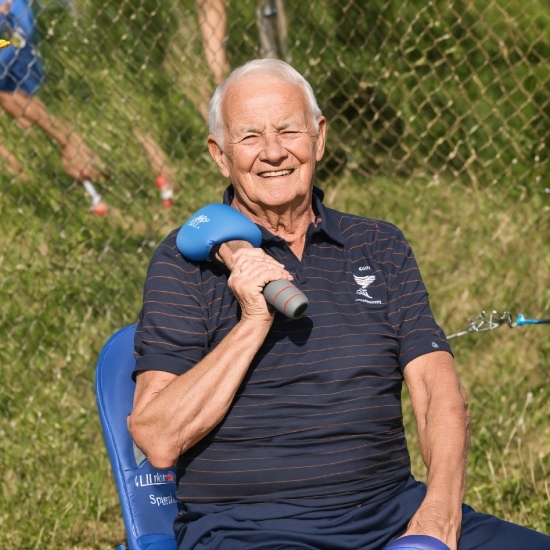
276	174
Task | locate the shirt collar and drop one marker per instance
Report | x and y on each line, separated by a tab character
326	218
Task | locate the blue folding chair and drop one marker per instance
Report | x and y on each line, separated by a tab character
146	494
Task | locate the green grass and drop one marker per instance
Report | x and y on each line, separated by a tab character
68	281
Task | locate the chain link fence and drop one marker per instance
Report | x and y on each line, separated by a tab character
455	89
432	96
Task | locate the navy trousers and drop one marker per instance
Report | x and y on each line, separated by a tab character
361	527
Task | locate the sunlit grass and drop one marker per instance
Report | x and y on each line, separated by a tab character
68	281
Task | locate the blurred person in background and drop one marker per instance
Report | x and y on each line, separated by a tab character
212	17
21	75
213	27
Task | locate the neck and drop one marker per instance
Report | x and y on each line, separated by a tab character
290	224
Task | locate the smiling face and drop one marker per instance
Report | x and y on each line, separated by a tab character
270	144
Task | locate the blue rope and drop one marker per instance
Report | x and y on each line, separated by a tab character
523	321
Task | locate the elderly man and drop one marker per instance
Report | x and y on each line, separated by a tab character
289	433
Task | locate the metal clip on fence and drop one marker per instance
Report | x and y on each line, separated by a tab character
495	319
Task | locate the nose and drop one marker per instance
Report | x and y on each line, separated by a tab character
272	150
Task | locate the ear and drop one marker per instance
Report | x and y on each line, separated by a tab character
218	155
321	137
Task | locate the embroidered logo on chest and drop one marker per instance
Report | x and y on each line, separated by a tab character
364	281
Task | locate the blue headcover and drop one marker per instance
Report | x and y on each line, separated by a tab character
214	224
147	495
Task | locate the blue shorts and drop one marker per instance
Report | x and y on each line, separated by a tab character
361	527
20	70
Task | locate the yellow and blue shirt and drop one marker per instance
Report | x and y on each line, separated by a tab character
20	63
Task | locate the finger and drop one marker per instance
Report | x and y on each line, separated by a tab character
255	264
264	272
242	259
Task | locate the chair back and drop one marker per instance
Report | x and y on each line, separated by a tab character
146	494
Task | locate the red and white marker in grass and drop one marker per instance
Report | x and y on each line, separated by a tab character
98	208
166	192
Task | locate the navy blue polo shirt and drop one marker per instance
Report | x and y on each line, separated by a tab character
318	416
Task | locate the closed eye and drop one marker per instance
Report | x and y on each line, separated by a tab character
290	134
250	137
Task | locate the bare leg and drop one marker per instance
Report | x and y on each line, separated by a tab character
13	164
158	161
24	123
157	157
213	27
77	158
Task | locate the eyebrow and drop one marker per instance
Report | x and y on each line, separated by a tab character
254	130
248	129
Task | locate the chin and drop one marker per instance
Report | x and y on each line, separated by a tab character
280	197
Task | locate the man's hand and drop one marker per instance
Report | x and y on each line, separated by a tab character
251	269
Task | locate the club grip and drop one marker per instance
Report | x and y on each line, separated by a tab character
286	298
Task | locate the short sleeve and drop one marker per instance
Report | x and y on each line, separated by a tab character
409	307
23	15
171	332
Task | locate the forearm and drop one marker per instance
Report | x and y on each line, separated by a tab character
443	422
172	413
190	406
444	435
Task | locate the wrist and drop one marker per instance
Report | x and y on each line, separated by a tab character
439	514
223	252
445	490
439	520
256	326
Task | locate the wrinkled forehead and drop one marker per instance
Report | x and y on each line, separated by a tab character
251	98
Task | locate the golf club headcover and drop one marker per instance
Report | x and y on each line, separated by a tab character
215	224
417	542
219	223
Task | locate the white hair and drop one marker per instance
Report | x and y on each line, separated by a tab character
268	67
